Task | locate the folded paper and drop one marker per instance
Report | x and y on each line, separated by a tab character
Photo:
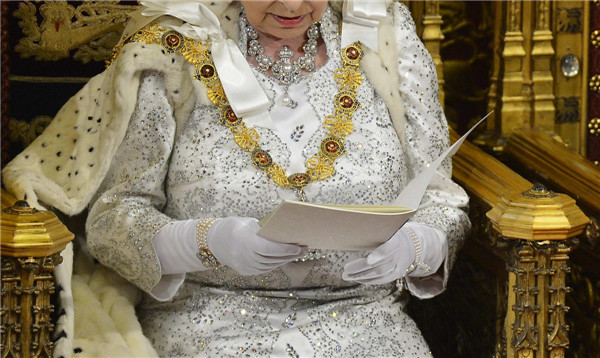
351	227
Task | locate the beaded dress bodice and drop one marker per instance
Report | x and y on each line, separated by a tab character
210	176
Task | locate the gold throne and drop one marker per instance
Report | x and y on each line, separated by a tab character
510	285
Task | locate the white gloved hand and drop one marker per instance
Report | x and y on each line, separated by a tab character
391	260
233	242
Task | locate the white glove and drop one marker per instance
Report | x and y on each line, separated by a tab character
233	241
392	259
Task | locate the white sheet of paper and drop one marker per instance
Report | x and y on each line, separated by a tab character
333	227
351	228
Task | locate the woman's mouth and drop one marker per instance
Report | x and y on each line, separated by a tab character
288	21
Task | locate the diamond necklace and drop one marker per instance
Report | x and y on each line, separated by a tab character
284	69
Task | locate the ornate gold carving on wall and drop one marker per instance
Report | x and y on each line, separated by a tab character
543	15
21	131
514	15
92	29
542	77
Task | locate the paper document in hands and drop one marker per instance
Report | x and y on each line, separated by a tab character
350	227
333	227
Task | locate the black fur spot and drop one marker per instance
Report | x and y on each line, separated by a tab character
62	334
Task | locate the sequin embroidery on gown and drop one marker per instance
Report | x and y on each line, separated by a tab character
301	309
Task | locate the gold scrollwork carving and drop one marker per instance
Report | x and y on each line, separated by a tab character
21	131
540	269
26	288
92	29
525	330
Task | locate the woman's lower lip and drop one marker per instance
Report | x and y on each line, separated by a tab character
289	21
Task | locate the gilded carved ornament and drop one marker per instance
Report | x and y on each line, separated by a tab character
514	16
595	38
540	225
21	131
595	84
543	12
31	244
594	126
92	29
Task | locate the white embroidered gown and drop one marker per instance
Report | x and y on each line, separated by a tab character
165	171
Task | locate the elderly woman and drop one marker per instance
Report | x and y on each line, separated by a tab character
210	115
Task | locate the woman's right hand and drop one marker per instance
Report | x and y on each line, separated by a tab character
233	242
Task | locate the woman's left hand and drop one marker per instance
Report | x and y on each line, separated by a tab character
396	257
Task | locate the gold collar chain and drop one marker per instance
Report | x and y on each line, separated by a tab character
339	125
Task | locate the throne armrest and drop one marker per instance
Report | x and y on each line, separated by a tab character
536	225
32	241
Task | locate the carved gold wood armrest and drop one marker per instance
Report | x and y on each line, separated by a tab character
537	224
31	244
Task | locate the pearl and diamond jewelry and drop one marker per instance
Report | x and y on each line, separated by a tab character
284	69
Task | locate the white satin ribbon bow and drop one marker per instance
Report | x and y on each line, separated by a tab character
246	97
361	22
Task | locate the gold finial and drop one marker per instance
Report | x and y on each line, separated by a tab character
538	191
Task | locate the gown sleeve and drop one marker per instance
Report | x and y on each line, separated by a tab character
444	204
125	214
